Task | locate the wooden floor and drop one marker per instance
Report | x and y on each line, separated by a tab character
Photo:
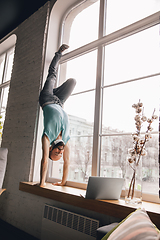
8	232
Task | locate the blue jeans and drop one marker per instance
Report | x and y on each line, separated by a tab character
49	93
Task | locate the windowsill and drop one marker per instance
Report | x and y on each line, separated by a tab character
71	196
2	190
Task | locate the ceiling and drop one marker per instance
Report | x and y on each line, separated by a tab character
14	12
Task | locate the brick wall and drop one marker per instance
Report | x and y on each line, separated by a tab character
17	208
24	90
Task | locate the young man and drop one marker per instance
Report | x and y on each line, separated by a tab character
55	138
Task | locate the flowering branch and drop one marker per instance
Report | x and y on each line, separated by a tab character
138	149
1	127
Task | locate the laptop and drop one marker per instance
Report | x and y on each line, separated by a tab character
104	188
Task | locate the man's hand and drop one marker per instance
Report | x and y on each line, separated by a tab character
59	184
40	184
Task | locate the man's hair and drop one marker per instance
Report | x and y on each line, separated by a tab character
57	143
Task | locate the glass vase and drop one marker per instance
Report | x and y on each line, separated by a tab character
133	182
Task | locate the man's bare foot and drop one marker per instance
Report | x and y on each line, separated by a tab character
62	48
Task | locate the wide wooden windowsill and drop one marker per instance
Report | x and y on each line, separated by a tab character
2	190
72	196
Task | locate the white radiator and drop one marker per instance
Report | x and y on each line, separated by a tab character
59	224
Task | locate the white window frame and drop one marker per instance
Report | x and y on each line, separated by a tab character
7	47
98	44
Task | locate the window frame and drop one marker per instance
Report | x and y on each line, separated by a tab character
99	44
4	84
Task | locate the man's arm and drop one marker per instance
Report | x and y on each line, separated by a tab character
66	159
44	161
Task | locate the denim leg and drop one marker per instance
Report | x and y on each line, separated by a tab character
65	90
46	95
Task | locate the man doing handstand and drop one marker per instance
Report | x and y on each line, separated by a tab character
55	138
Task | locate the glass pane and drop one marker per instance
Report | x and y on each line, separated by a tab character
124	12
2	60
118	113
2	119
81	109
83	69
2	114
133	57
9	66
4	98
84	28
80	160
114	151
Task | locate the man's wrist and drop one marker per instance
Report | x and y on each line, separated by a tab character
63	183
42	184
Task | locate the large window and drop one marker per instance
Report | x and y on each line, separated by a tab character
6	63
114	55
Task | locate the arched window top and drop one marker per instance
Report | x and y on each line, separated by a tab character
8	43
68	14
81	24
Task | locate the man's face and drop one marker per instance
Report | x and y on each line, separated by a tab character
56	153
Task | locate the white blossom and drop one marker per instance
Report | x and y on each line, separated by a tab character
131	151
137	118
135	137
138	110
135	134
149	120
154	117
141	141
135	105
131	159
150	128
140	104
148	135
138	123
144	118
143	153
